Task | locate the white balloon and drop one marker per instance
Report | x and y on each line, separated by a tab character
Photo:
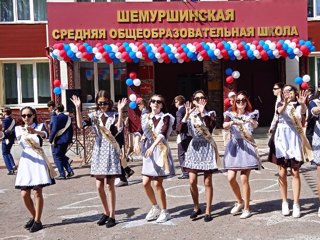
114	48
157	55
137	82
268	42
79	54
287	41
235	74
233	46
292	45
74	48
275	52
252	47
134	48
118	55
200	58
306	78
300	54
220	57
237	53
212	46
95	50
122	60
139	54
98	55
193	49
64	86
180	60
160	60
174	50
272	46
132	97
296	51
177	55
217	52
239	57
131	45
256	53
56	52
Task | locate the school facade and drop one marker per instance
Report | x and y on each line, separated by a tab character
174	47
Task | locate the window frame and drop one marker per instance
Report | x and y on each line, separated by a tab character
15	15
19	85
315	16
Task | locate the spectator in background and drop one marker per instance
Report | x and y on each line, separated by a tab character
8	125
183	138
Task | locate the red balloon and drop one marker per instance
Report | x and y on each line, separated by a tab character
227	102
118	44
220	46
279	46
199	47
240	46
101	49
160	49
243	53
133	75
177	45
63	53
98	45
164	56
255	42
142	48
203	53
60	46
82	48
229	79
304	86
125	55
57	83
121	49
264	54
259	47
183	56
105	55
179	49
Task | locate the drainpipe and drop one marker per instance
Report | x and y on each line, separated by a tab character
51	72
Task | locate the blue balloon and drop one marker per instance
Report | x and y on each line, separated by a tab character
89	49
128	49
125	44
313	49
53	55
70	53
285	46
148	48
261	42
66	47
132	55
167	49
250	53
116	60
85	44
112	55
301	42
292	56
246	47
266	47
298	80
232	58
227	46
129	82
186	50
174	60
228	71
210	53
57	90
132	105
107	47
231	53
308	44
290	51
151	55
190	55
170	56
136	60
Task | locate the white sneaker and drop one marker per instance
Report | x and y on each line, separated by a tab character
154	213
245	214
237	207
285	208
319	212
164	216
296	210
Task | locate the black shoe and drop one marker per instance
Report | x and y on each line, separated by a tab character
129	173
61	178
207	218
36	227
183	176
104	218
70	174
29	224
195	214
111	222
15	168
11	172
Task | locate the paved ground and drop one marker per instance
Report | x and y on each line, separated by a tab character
72	208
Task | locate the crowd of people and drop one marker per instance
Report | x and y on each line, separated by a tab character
194	123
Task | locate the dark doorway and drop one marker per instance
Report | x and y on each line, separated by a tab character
187	84
257	79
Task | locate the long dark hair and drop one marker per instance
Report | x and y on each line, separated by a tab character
164	107
35	119
194	95
105	94
293	88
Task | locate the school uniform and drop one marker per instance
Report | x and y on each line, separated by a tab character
8	125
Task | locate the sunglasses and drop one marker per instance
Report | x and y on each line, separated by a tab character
26	115
287	90
199	98
155	101
241	101
103	103
276	88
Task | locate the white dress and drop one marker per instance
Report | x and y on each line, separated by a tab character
33	171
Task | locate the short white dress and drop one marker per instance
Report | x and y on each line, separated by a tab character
33	171
160	125
239	153
316	135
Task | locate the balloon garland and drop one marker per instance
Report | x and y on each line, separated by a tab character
133	81
180	53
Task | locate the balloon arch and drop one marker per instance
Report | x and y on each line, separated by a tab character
180	53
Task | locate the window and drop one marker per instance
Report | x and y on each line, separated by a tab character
101	76
23	10
27	82
313	8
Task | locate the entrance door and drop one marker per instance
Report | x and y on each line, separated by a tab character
187	84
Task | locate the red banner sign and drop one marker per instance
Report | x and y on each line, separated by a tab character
172	22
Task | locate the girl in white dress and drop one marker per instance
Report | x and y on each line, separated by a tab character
35	171
291	145
241	153
105	162
157	158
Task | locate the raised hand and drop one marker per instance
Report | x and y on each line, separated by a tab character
189	108
302	97
201	105
122	103
76	101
